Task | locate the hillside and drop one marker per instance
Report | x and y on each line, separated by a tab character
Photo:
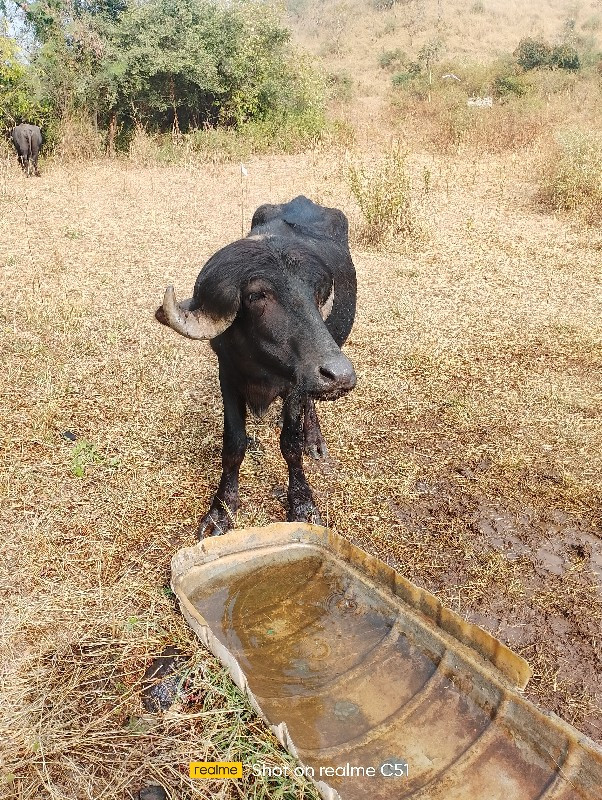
350	37
350	34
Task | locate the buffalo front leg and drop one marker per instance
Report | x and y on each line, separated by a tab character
221	515
301	505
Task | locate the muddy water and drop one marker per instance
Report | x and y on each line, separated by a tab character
375	706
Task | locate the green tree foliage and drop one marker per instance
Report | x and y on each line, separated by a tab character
195	63
536	53
508	84
430	53
532	53
18	98
169	64
565	56
14	100
392	59
67	46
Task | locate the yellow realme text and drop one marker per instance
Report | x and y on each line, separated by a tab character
216	770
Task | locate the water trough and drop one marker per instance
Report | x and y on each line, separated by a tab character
376	687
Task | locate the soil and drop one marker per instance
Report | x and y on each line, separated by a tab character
554	621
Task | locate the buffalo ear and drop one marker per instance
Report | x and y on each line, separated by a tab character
326	307
189	321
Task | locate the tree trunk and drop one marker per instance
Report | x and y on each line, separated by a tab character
111	133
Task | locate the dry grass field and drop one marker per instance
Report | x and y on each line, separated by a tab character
469	455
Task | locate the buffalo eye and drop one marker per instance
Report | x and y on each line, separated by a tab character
253	297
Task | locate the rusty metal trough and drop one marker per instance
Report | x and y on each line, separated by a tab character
378	689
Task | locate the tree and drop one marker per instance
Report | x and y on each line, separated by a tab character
66	47
191	63
534	53
428	55
18	100
165	64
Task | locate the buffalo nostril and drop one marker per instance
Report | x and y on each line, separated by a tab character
338	373
329	374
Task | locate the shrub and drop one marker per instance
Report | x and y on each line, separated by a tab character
401	78
564	56
339	86
391	58
430	52
145	149
448	124
476	80
571	175
75	138
388	28
592	24
412	75
532	53
507	85
288	134
383	193
559	83
183	64
512	125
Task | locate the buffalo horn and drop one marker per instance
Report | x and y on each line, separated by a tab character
327	307
194	324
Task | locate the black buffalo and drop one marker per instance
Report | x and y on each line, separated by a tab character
277	307
27	140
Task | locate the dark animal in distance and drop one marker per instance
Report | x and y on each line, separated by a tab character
27	140
277	306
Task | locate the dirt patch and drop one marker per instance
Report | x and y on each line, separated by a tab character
549	606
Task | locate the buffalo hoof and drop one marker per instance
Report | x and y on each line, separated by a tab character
304	512
317	449
215	523
162	682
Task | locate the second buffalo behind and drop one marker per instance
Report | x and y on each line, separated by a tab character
277	307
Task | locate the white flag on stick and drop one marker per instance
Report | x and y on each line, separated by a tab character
243	171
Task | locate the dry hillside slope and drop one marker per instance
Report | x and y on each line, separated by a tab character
351	39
